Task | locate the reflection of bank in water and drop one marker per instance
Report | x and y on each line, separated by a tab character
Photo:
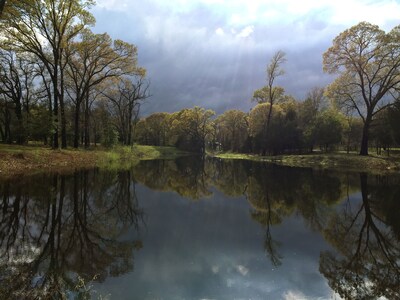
59	231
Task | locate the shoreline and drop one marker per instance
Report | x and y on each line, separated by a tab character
327	161
18	160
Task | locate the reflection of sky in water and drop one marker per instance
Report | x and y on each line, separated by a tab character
212	249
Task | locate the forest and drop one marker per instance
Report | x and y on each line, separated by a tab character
64	86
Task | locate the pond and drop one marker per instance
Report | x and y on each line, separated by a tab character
200	229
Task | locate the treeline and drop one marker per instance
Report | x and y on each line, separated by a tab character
294	127
62	84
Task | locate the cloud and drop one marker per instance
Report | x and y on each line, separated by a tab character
246	32
213	53
219	31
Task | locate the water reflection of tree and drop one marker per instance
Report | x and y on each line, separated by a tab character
273	192
187	176
366	236
57	228
276	193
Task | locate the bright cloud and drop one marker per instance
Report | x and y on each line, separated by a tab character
246	32
219	31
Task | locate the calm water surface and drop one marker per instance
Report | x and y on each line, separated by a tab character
194	229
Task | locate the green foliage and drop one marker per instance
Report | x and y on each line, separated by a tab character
191	127
328	128
367	61
231	131
109	136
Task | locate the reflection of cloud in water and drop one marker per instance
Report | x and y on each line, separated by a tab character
215	269
294	295
297	295
242	270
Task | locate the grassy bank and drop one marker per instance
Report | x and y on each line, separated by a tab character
334	161
17	160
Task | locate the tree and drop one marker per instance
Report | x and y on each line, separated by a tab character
270	93
153	130
308	111
46	29
232	129
16	84
191	127
328	128
91	61
124	98
368	63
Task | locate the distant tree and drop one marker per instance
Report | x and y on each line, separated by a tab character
257	126
124	97
232	130
153	130
394	121
270	93
191	128
308	111
328	128
284	134
368	63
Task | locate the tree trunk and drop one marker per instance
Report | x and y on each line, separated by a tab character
63	121
86	125
76	125
21	138
55	106
2	136
365	137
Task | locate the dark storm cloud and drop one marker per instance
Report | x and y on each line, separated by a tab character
199	54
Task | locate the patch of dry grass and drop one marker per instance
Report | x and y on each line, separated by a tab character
18	160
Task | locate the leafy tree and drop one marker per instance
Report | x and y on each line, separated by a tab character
270	93
46	29
232	130
91	61
308	110
328	129
154	130
368	63
283	134
257	126
190	128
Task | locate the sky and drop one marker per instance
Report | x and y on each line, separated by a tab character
214	53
